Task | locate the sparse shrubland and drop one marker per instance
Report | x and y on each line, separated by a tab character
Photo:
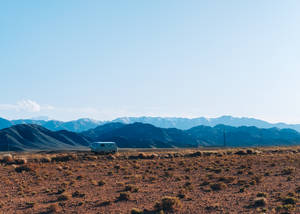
234	180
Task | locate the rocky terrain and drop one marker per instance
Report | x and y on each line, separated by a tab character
256	180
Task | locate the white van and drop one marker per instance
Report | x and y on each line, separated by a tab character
104	147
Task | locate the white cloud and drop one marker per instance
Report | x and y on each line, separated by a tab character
28	105
27	108
25	105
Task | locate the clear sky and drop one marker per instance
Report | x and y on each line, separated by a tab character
69	59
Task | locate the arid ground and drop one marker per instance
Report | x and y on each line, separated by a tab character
257	180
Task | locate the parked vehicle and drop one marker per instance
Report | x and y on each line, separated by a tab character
104	147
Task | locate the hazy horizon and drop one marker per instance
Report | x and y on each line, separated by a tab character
46	118
103	60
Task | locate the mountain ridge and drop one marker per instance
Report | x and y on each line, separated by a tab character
24	137
85	124
27	137
138	133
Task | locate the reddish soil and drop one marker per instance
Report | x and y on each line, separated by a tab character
264	181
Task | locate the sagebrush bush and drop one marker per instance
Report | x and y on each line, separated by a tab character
288	171
101	183
168	203
136	211
289	200
262	194
7	158
218	186
21	161
124	196
63	197
23	168
53	208
260	202
130	188
226	179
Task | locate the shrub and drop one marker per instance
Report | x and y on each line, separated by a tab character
168	174
216	170
77	194
241	152
63	197
45	160
212	207
195	154
292	194
262	194
101	183
289	200
168	203
186	184
25	168
226	179
8	158
181	194
204	183
79	177
64	158
124	196
260	202
21	161
60	191
288	171
136	211
241	182
53	208
218	186
29	204
117	167
250	151
257	179
286	208
130	188
104	203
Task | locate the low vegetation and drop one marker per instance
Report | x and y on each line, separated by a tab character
168	203
258	180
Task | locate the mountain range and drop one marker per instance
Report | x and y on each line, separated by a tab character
24	137
140	135
161	122
55	125
147	135
187	123
27	137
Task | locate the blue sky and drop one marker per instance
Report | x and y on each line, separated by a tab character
69	59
